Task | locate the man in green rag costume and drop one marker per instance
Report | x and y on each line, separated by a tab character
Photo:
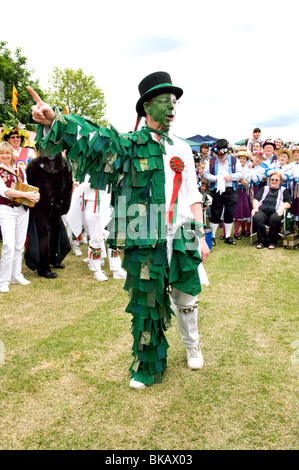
157	216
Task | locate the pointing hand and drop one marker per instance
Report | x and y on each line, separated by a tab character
42	113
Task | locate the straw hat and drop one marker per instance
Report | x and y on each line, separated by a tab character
285	151
259	154
243	153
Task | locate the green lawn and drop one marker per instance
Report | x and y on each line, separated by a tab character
64	383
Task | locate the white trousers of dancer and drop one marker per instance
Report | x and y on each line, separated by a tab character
93	222
187	322
14	224
186	304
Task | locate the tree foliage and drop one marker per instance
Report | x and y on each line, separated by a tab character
79	93
14	71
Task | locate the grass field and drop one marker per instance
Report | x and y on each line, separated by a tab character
64	383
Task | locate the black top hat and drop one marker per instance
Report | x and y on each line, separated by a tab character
155	84
221	144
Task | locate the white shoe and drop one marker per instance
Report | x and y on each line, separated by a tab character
100	276
20	280
194	358
85	260
119	274
4	288
77	251
136	385
84	239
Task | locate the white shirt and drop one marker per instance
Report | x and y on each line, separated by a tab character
223	170
256	174
188	193
3	187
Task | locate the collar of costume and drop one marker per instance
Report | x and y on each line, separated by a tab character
163	137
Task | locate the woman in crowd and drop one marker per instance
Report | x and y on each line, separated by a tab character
256	147
256	173
13	219
268	209
243	208
284	158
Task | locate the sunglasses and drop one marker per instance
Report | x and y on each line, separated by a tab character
15	137
274	179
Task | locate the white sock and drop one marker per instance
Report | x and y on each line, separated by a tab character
214	229
228	229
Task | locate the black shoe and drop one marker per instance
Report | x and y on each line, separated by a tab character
229	241
58	265
237	237
222	237
213	242
49	275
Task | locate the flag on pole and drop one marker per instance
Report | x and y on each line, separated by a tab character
14	99
66	110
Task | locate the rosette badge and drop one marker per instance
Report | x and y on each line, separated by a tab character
177	165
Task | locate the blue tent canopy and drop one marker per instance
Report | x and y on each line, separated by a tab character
197	139
210	138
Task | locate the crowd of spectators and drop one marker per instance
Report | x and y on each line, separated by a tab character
236	179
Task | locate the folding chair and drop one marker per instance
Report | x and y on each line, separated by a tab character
285	227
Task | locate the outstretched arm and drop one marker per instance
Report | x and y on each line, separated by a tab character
42	113
92	149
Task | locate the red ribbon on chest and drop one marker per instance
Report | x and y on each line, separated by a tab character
177	165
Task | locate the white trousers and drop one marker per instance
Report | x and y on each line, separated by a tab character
14	224
187	322
94	224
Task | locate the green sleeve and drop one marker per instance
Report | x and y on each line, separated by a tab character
91	149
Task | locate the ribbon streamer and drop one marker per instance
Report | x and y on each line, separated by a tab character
177	165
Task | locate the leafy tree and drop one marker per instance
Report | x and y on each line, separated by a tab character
14	71
79	93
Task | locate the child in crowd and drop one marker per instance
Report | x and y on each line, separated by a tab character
256	137
199	167
282	165
206	197
256	147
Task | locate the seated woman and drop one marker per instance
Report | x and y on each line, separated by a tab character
13	219
268	208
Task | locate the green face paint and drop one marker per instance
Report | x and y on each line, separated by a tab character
161	110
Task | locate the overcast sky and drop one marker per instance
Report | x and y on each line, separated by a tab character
235	60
